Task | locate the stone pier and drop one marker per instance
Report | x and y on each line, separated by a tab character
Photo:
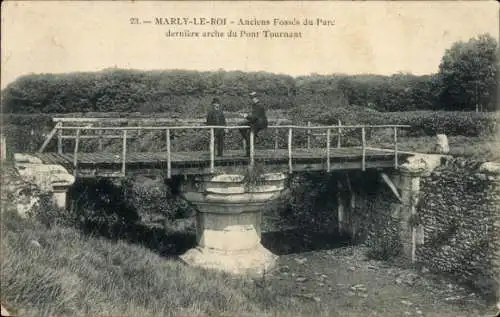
411	230
49	178
492	171
229	222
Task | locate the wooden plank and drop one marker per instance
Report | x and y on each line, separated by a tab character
169	158
363	144
309	135
49	138
192	170
124	151
276	139
308	159
75	155
59	140
290	138
328	150
395	147
339	133
100	142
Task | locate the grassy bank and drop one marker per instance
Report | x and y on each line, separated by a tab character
58	271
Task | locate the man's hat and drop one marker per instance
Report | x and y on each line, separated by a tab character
253	93
215	100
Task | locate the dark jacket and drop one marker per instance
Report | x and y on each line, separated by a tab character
257	118
216	117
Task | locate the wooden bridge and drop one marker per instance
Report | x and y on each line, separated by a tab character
126	161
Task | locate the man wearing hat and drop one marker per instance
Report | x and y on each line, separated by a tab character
216	117
257	120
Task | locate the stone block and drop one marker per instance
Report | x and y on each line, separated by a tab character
229	222
441	146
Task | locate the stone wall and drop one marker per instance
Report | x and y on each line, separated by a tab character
458	205
376	215
458	208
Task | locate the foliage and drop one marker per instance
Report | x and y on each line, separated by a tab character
153	199
421	122
118	90
189	92
468	74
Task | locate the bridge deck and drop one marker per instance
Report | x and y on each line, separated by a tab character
109	164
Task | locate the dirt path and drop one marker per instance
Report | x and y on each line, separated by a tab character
320	268
343	278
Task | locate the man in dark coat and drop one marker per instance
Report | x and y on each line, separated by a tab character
257	120
216	117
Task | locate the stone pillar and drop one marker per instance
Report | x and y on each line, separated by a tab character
410	172
229	222
410	189
47	177
60	194
411	231
341	210
491	172
3	148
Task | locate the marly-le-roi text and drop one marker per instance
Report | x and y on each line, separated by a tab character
190	21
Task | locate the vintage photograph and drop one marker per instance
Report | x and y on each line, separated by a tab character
250	158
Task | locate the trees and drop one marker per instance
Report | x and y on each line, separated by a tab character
466	77
468	74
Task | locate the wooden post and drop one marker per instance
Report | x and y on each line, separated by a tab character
252	148
363	147
212	150
49	137
309	135
124	152
3	148
59	141
395	147
169	162
328	150
290	168
75	155
138	144
276	139
338	135
100	132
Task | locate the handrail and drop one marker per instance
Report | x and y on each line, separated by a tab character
166	120
59	128
231	127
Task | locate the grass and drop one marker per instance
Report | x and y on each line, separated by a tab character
74	275
66	273
479	148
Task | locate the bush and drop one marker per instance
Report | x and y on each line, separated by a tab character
422	123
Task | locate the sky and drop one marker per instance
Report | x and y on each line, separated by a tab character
363	37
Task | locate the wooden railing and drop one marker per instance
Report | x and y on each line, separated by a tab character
59	128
